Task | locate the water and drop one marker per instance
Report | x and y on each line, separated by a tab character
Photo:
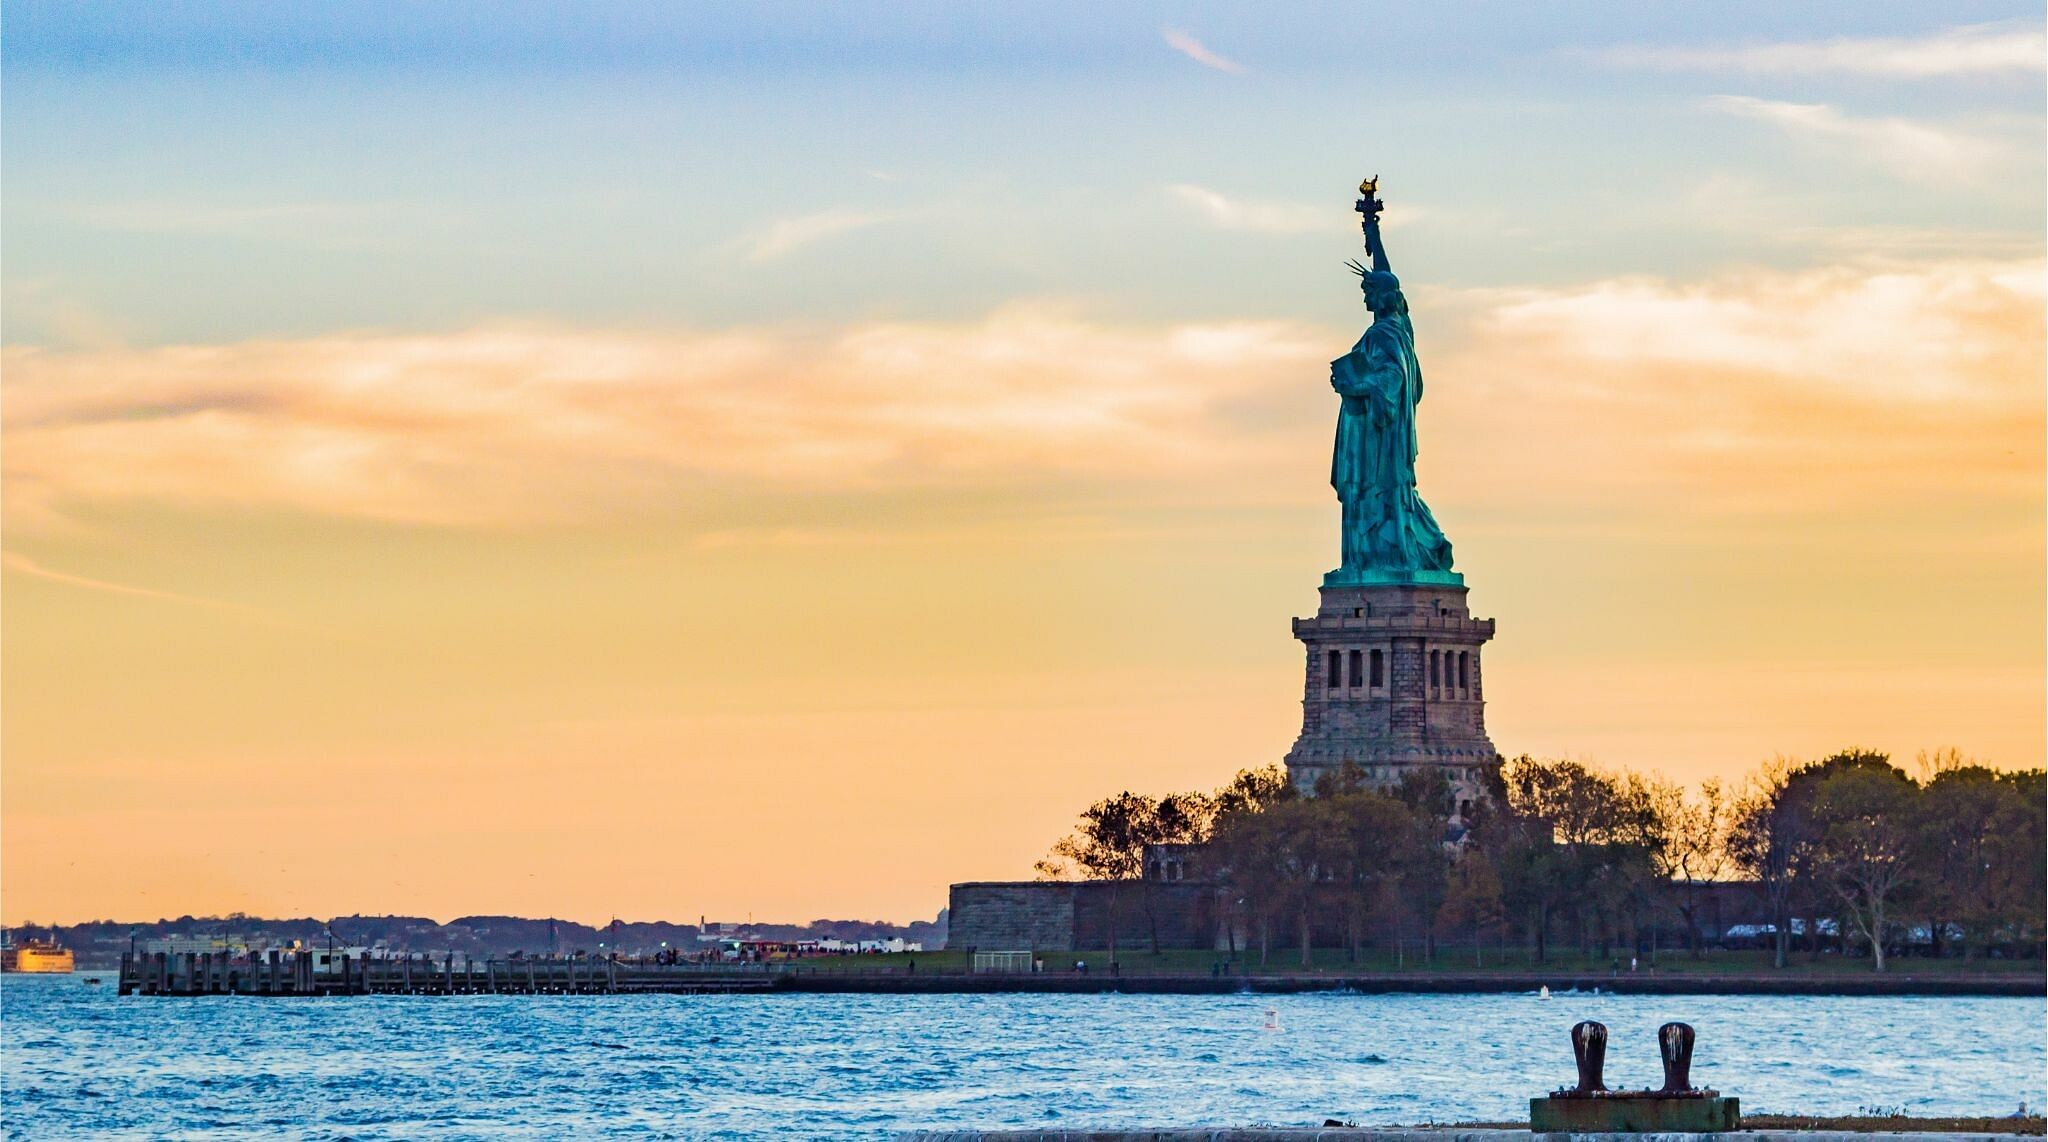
78	1062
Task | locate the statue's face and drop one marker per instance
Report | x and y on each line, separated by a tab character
1382	291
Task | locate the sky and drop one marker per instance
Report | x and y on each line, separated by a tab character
774	461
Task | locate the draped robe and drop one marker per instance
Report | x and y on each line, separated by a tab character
1387	527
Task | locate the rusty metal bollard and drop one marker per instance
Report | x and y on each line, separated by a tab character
1674	1043
1589	1047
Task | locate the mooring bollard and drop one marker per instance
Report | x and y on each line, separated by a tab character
1591	1108
1589	1049
1674	1043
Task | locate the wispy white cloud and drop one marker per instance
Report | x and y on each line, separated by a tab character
1186	44
785	236
1250	214
1907	149
22	564
1977	49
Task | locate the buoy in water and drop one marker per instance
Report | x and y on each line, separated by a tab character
1272	1020
1545	993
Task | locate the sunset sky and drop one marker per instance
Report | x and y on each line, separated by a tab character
657	460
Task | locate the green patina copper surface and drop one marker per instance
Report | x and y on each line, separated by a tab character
1362	577
1389	535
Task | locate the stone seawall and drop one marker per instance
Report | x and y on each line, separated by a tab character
1065	916
1101	982
1011	916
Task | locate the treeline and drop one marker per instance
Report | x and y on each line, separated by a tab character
1851	851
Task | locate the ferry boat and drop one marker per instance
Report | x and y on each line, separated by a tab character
40	956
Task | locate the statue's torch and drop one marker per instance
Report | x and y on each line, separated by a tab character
1370	206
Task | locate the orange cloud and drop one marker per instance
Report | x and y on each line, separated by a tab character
1761	390
1825	391
504	425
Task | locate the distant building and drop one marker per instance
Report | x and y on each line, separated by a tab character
181	945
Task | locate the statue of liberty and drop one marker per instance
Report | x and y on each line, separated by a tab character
1389	534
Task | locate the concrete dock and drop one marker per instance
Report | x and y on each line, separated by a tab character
1353	1134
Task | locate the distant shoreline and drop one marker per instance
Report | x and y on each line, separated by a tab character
1561	984
296	974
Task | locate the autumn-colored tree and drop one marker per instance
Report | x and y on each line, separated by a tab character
1960	807
1473	900
1869	829
1581	843
1849	843
1370	853
2017	884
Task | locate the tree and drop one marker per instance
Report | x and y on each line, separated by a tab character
1252	791
1774	836
1764	833
1811	881
1932	763
1176	819
1636	833
1580	839
1472	899
1370	851
1275	859
1109	844
1868	830
1694	849
1522	843
1425	856
1305	841
2017	876
1960	811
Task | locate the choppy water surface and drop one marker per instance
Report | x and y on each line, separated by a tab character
76	1061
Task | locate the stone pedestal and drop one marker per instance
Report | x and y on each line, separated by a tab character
1393	683
1635	1114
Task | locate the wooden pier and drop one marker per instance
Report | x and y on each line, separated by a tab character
295	974
301	973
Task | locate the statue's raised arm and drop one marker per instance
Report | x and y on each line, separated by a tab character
1370	206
